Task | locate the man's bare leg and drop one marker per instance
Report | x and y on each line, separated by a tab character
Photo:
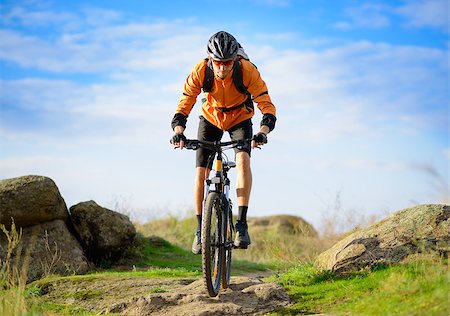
201	174
244	178
243	189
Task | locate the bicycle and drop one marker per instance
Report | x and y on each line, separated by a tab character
217	221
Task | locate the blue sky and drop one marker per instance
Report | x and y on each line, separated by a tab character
88	90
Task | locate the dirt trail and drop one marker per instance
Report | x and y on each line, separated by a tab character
152	296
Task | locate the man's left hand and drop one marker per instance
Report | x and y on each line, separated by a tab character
259	140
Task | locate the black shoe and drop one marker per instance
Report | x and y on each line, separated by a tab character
242	239
197	243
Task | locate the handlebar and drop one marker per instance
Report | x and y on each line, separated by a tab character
195	144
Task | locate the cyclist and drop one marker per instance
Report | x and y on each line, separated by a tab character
225	109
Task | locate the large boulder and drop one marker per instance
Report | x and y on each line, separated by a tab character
104	234
44	249
412	230
30	200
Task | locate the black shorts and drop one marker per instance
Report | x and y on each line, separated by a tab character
211	133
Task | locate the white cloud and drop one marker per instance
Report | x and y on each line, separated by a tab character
333	93
104	51
446	153
369	15
43	94
52	111
345	26
426	13
41	14
37	15
416	13
359	87
97	41
360	106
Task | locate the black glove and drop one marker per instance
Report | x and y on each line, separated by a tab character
177	138
260	138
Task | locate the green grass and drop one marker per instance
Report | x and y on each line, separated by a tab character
149	258
271	246
52	309
150	273
159	253
157	290
163	254
420	286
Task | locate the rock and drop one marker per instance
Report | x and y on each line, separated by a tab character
288	224
412	230
45	249
104	234
30	200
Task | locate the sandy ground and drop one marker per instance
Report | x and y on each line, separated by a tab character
247	295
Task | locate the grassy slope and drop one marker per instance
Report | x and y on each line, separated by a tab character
279	248
420	286
158	252
149	258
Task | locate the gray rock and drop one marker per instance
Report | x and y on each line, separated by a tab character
45	249
30	200
412	230
104	234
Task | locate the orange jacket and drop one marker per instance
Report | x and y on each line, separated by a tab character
225	95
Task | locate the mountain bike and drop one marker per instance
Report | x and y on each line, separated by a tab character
217	221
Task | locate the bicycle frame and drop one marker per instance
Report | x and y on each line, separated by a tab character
221	183
220	180
217	246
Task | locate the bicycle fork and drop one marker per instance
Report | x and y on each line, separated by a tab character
222	185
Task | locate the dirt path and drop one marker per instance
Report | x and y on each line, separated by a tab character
152	296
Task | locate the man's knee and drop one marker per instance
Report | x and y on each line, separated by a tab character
201	174
243	160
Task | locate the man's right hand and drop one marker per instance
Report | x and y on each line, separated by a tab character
178	139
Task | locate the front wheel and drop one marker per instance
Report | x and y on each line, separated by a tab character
229	244
212	243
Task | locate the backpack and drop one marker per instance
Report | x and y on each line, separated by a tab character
208	81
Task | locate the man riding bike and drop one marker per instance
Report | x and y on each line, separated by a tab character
225	108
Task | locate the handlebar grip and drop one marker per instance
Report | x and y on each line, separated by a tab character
191	144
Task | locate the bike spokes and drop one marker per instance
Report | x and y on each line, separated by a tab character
212	247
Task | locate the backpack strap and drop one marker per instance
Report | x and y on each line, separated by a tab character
208	81
238	78
238	81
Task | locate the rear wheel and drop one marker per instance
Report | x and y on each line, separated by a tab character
212	243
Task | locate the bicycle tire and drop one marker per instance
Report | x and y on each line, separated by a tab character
212	244
228	237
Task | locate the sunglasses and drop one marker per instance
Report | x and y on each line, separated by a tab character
226	63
